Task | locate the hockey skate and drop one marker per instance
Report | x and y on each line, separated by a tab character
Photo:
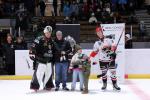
116	88
104	86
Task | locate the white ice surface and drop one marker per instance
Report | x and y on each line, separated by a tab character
19	90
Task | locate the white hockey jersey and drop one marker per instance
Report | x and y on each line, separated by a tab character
103	47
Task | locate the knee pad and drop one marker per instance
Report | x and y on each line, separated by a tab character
113	73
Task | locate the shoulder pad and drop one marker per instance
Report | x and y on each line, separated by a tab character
99	42
37	40
40	37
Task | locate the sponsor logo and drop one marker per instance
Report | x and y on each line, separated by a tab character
112	28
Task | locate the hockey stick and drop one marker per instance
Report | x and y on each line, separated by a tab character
119	39
27	63
103	74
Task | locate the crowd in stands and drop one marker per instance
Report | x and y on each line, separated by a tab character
79	9
92	11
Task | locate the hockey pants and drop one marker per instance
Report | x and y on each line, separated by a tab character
43	73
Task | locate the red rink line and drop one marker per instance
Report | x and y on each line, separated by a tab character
136	90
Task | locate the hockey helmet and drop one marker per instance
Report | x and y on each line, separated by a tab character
98	29
47	29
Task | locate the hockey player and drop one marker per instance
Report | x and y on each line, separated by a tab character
105	47
81	65
86	64
42	52
76	66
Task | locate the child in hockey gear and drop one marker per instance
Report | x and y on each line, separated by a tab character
42	52
105	47
76	66
86	64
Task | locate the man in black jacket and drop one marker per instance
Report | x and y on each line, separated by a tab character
62	48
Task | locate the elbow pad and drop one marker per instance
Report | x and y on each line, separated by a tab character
93	54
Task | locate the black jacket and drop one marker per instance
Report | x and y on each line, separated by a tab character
43	49
59	46
128	44
9	53
21	46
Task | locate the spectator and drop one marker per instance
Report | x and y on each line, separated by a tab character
74	19
128	41
83	15
20	44
42	7
131	19
114	5
93	6
67	20
74	8
92	19
1	11
52	23
55	7
30	6
66	9
51	7
7	8
122	4
43	24
9	55
98	14
22	23
142	28
59	7
131	8
107	8
62	5
86	7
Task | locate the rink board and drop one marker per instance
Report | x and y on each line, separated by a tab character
29	77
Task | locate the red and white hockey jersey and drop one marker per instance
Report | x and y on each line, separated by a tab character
103	48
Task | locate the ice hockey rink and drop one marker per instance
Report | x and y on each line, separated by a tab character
132	89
